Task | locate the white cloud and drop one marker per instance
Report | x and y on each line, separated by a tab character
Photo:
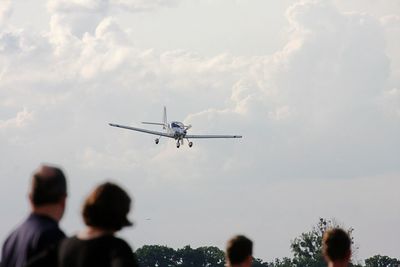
14	42
5	11
68	6
22	119
391	25
391	101
143	5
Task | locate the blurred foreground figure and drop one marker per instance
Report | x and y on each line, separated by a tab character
39	233
104	213
336	248
239	252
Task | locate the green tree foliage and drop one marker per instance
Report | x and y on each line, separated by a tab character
202	257
285	262
214	256
259	263
382	261
160	256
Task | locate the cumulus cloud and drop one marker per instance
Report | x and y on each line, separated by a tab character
9	42
392	101
143	5
77	5
391	26
83	16
5	11
324	86
16	42
104	5
22	119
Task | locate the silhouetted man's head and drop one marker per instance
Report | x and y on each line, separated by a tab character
48	191
336	246
239	251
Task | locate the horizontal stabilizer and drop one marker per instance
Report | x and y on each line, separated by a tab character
153	123
212	136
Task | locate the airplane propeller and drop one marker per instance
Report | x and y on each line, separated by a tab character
187	127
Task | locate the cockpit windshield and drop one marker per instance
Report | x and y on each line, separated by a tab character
176	124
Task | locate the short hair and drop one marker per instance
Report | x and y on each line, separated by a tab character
107	207
238	249
336	244
48	186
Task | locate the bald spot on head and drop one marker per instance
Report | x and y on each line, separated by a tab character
48	186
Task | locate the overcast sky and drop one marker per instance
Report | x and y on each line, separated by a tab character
313	86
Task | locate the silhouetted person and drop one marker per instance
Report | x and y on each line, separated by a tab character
40	231
336	247
239	251
104	213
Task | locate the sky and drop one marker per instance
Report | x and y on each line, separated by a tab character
313	87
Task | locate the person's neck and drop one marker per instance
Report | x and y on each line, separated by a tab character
91	232
338	264
47	210
239	265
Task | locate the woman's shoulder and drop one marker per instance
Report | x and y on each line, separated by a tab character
119	243
123	253
69	241
109	247
107	243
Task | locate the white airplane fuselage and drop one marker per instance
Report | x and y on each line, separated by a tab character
177	129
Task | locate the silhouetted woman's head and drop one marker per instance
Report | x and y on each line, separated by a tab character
107	207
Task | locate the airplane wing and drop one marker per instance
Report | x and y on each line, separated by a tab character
141	130
211	136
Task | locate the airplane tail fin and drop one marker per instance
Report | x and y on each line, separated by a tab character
165	118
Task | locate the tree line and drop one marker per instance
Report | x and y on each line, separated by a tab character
306	250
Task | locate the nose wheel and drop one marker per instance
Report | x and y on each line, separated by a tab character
178	144
157	141
190	144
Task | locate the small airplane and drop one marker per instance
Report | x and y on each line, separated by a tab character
175	129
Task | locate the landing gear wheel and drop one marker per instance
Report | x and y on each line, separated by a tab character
157	141
190	144
178	145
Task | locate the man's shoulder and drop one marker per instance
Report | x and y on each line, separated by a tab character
31	237
36	232
22	230
43	224
119	242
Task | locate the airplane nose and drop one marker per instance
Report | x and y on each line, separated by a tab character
184	131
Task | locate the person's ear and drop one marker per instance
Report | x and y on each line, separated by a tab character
30	197
63	201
